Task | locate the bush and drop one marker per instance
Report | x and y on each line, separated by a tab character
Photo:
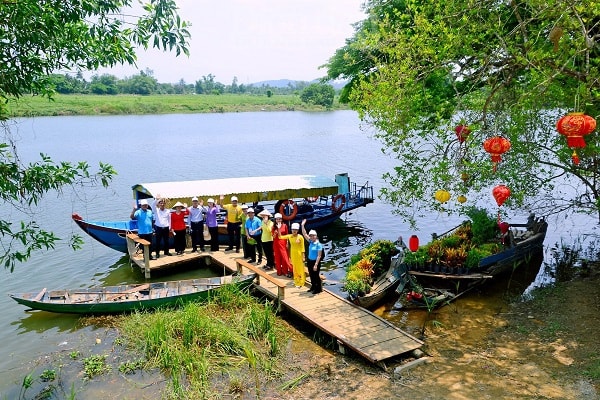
483	226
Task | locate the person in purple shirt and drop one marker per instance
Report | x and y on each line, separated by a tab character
213	226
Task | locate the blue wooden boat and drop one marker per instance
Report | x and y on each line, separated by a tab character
319	200
127	298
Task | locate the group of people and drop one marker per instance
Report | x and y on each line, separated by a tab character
257	235
160	222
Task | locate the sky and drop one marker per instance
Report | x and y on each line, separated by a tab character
253	40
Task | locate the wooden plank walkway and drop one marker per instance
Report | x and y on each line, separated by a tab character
353	327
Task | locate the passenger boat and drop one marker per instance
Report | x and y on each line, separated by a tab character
127	298
520	245
320	200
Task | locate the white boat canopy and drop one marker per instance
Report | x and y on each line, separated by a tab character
247	190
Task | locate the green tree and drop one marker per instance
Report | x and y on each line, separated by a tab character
142	83
319	94
418	69
104	84
38	37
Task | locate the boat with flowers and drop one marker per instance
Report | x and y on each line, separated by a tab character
374	273
476	251
318	199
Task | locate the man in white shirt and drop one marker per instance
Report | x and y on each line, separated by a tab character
162	227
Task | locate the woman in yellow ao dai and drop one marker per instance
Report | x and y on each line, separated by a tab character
297	255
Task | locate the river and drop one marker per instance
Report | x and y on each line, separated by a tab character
186	147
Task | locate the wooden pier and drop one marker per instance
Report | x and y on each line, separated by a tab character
352	326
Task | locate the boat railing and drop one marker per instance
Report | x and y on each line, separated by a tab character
361	194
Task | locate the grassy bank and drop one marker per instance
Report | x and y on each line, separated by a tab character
230	345
156	104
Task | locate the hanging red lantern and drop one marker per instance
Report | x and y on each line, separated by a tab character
413	243
462	132
503	227
501	193
496	146
574	126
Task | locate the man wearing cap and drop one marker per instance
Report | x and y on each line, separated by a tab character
234	222
253	235
143	216
196	220
211	221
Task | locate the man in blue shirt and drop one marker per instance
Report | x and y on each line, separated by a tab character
143	216
253	235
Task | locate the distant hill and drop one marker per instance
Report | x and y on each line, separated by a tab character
282	83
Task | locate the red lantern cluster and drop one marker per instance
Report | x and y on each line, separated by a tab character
496	146
462	132
574	126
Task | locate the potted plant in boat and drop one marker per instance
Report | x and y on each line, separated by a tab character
366	267
464	247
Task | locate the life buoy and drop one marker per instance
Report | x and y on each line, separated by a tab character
339	198
284	206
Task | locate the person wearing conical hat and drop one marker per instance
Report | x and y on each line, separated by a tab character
178	226
267	238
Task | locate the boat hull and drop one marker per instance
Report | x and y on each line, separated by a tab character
128	298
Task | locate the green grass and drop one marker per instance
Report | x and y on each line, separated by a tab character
207	348
155	104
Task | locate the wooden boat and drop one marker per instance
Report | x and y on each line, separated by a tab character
126	298
520	246
319	200
384	285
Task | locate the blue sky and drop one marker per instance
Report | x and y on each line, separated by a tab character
254	40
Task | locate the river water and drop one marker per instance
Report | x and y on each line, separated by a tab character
187	147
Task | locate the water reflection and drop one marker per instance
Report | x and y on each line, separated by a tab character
41	321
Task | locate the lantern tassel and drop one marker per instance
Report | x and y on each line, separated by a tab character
575	158
574	141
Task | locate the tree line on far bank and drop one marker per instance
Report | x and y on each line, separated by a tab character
144	83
